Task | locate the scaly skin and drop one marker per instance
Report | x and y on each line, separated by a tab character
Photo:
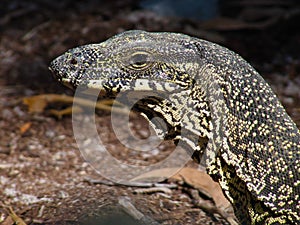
214	103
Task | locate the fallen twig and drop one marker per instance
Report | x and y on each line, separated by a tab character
130	209
131	184
211	209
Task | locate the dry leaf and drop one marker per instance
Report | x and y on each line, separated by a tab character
199	180
157	175
203	182
38	103
25	127
193	177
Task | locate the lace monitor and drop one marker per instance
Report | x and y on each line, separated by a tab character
214	104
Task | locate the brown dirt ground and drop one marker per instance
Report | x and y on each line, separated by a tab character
42	174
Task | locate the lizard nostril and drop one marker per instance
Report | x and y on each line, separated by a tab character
73	61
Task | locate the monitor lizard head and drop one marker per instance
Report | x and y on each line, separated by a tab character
159	69
131	60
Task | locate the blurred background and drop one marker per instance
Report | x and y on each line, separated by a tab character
265	32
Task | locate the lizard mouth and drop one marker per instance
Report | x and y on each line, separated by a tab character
136	89
60	76
65	81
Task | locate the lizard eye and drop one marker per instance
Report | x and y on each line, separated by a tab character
139	61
